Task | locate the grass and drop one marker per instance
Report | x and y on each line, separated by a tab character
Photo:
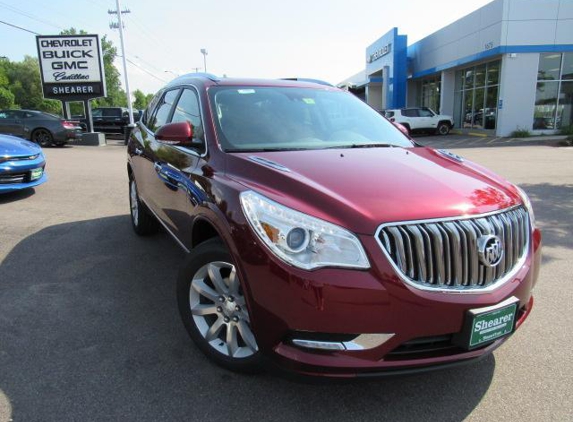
520	133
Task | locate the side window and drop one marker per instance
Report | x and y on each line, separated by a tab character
410	112
163	110
187	110
425	113
389	114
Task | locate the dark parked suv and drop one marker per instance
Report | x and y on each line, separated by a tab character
320	237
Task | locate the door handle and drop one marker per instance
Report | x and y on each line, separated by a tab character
138	151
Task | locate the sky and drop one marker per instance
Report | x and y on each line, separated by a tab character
249	38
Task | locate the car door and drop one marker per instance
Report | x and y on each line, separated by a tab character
10	123
179	183
144	159
427	119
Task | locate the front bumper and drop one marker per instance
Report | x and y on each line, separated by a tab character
12	171
285	301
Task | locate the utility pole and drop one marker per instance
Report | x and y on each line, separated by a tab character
204	52
119	25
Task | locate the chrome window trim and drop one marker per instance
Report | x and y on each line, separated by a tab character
462	289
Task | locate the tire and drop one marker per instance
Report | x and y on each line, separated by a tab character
213	308
42	137
142	221
60	144
443	129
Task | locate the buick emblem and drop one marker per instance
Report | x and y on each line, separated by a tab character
490	249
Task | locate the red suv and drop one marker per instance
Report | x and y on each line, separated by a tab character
323	239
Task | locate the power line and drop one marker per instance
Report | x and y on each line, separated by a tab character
28	15
145	70
19	27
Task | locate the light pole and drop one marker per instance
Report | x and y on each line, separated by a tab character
204	52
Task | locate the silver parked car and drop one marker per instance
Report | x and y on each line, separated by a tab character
42	128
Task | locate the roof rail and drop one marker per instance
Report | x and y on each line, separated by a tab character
201	75
315	81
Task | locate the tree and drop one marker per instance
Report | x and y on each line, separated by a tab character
141	100
6	97
26	86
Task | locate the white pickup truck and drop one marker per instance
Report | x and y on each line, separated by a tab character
421	119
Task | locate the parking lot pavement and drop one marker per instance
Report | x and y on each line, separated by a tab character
89	328
468	141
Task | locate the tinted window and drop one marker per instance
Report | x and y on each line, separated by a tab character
7	115
279	118
149	110
187	110
425	113
163	110
410	112
111	112
389	114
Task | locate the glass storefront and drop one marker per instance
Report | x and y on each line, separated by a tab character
554	95
429	93
476	95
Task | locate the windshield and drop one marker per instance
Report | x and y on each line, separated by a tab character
283	118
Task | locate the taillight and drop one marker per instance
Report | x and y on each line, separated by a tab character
70	125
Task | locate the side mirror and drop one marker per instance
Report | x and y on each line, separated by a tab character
179	133
402	128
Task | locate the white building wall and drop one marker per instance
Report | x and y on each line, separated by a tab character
517	92
447	92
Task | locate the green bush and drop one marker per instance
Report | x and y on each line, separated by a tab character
566	130
520	133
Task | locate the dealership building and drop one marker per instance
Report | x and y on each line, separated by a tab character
504	67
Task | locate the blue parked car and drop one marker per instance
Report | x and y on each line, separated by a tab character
22	164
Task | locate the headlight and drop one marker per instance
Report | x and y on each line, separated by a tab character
527	204
299	239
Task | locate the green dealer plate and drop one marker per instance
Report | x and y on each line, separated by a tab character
491	323
36	173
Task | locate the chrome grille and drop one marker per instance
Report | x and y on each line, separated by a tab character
443	254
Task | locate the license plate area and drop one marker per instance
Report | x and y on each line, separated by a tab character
484	325
36	173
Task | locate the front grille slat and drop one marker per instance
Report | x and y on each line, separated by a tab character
443	254
12	178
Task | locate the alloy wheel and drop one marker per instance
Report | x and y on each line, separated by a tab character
219	310
134	203
43	137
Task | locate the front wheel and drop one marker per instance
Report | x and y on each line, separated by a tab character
42	137
443	129
213	308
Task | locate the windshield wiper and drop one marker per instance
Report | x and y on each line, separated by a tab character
264	149
363	146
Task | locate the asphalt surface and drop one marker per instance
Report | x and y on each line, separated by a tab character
89	328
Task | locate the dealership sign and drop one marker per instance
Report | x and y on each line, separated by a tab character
381	52
71	67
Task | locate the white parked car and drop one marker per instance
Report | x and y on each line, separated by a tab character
421	119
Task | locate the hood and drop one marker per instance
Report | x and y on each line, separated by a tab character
362	188
12	146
